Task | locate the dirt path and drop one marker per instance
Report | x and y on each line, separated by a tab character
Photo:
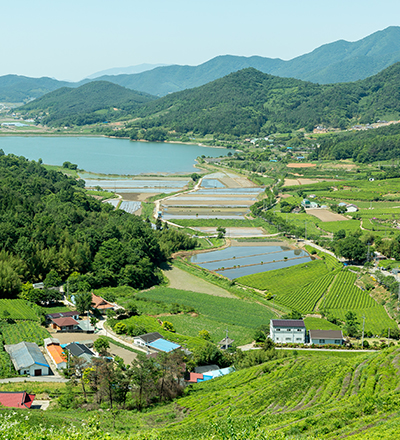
179	279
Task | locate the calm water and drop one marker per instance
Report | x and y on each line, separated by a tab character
110	156
260	259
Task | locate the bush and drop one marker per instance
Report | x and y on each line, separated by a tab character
168	326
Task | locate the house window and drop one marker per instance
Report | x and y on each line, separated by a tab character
288	339
277	339
299	329
298	339
322	341
278	329
289	329
337	341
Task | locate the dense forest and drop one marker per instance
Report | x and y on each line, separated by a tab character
362	146
97	101
252	103
48	224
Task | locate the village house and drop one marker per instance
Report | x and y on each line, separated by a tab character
101	304
16	399
56	352
324	337
287	331
64	324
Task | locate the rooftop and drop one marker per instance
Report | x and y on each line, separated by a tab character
57	353
163	345
326	334
149	337
77	349
18	399
25	354
288	323
63	322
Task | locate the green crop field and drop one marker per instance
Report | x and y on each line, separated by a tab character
319	324
218	313
17	309
6	366
349	226
344	294
23	331
305	299
288	279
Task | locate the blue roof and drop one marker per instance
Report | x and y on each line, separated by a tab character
163	345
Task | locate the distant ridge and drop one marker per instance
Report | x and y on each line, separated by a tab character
337	62
125	70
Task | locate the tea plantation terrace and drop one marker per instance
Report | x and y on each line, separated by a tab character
294	331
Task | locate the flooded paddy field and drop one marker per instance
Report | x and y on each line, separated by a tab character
220	195
236	261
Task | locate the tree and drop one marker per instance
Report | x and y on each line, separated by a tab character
205	334
101	345
144	375
352	248
221	232
351	326
83	302
52	279
166	325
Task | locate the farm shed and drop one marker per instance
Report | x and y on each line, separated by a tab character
226	343
352	208
16	399
143	340
287	331
80	350
57	354
323	337
163	345
28	359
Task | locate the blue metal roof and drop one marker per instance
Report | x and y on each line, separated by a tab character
163	345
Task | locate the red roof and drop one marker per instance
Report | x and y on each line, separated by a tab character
194	377
63	322
18	399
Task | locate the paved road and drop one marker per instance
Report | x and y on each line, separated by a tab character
35	379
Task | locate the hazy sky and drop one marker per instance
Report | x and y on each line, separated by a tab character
73	39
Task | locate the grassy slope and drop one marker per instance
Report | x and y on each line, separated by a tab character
304	395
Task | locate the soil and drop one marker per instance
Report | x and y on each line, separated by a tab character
301	165
179	279
326	216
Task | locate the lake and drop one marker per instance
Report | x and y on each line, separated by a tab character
110	156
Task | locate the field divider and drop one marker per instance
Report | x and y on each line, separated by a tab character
316	308
259	264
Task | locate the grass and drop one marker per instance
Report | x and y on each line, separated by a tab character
319	324
349	226
227	223
218	313
288	279
23	331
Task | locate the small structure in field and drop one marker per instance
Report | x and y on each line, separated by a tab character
226	343
56	352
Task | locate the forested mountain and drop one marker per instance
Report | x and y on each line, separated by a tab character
340	61
125	70
48	223
16	88
93	102
249	102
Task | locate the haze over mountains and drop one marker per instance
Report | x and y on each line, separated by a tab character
340	61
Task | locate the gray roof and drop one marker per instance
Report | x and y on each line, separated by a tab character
292	323
150	337
86	326
77	349
226	341
25	354
205	368
326	334
62	314
49	341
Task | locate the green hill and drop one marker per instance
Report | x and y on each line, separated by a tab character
250	102
300	395
93	102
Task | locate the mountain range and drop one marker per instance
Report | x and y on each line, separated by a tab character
336	62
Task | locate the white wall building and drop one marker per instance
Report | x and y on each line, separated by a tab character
287	331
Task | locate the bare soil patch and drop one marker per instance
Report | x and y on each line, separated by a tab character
179	279
235	232
291	182
326	216
301	165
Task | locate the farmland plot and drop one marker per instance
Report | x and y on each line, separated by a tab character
17	309
23	331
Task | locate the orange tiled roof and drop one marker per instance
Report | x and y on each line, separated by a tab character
100	303
56	352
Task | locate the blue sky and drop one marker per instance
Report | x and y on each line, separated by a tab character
73	39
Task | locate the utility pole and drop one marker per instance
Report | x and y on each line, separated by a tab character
362	337
226	340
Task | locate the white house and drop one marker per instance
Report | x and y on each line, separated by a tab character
146	339
323	337
287	331
28	359
351	208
